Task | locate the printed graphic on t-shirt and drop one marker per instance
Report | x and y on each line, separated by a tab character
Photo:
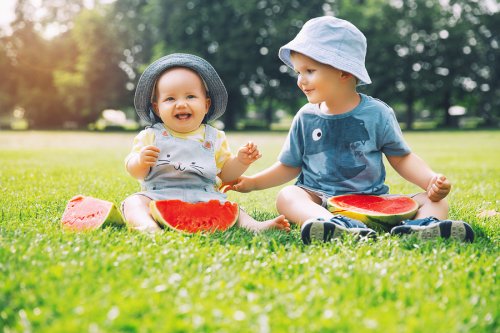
334	150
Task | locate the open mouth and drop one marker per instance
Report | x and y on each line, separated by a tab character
183	116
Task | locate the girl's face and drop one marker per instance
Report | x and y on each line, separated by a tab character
319	82
181	99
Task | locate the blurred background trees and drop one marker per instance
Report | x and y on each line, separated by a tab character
62	63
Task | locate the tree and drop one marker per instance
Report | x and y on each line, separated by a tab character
483	42
31	57
95	81
457	54
239	38
32	83
429	54
46	81
131	21
268	84
7	89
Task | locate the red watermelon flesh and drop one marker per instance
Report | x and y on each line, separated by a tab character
84	213
378	212
195	217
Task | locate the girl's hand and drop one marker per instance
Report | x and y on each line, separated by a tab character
438	188
248	154
149	155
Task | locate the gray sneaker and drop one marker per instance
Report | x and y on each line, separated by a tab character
317	229
432	228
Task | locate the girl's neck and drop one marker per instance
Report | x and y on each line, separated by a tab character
342	103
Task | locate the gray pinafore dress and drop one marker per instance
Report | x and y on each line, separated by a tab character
185	169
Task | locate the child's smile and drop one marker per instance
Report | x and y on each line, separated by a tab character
183	116
182	101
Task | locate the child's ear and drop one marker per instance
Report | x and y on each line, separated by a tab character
345	75
154	107
153	113
208	103
348	77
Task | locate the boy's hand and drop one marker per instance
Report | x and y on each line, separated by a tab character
248	153
243	184
149	155
438	188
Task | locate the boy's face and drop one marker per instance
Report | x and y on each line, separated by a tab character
319	82
181	100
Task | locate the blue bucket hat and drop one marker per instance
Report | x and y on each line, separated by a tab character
147	82
331	41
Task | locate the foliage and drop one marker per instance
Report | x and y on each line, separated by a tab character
431	53
86	76
6	87
240	39
423	55
112	280
95	81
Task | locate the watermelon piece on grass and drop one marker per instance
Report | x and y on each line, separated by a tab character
190	218
85	213
381	213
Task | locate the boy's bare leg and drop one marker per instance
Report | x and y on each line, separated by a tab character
298	205
248	222
137	216
438	209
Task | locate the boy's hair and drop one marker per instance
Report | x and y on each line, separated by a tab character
331	41
356	80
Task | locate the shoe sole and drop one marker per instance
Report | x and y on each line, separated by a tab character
326	231
456	230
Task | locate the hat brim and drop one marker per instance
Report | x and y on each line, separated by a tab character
144	90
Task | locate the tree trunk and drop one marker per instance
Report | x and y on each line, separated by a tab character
268	113
449	120
235	106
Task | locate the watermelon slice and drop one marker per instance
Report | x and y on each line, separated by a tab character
84	213
377	212
195	217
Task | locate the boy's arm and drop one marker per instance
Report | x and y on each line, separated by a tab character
275	175
414	169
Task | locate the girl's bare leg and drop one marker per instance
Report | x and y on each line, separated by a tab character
298	205
137	216
249	223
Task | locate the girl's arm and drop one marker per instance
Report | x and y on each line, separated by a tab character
414	169
138	164
235	166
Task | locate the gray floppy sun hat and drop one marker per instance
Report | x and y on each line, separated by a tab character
144	90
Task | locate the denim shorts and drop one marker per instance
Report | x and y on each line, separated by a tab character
322	196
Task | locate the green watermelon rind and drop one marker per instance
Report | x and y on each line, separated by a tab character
157	216
381	225
113	218
378	222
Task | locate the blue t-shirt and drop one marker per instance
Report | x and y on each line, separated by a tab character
342	153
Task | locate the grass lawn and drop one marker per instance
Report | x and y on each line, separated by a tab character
113	280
